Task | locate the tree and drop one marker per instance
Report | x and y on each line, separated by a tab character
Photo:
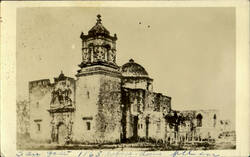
23	116
175	120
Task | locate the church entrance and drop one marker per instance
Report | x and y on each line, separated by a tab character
62	133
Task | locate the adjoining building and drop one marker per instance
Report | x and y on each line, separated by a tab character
110	103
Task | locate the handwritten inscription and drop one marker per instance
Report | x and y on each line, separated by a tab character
115	154
108	154
58	154
192	153
28	154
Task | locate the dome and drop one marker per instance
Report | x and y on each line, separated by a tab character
98	28
132	69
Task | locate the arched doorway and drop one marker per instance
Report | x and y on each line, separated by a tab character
62	133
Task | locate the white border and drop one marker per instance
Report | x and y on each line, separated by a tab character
8	65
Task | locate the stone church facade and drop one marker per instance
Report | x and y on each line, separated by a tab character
110	103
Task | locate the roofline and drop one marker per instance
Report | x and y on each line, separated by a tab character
65	77
136	77
163	95
39	80
199	110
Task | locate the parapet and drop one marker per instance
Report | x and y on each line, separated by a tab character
39	83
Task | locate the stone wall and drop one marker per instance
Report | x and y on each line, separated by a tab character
133	107
39	98
145	105
225	125
98	113
87	91
209	127
108	119
137	83
156	126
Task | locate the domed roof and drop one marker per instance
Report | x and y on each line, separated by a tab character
98	28
132	69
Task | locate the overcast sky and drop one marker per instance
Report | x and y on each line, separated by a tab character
189	52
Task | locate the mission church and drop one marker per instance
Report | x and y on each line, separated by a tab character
110	103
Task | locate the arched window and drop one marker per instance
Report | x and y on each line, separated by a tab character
199	120
215	120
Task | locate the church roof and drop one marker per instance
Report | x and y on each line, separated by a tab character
132	69
98	28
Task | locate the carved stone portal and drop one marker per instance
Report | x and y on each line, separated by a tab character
61	131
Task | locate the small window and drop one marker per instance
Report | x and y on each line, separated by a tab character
214	120
88	94
88	125
38	127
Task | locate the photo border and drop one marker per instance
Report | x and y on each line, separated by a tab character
8	67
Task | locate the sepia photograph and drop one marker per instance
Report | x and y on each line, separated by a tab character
124	79
130	78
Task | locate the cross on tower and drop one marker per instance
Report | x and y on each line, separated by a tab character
99	18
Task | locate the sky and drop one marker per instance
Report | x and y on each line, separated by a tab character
189	52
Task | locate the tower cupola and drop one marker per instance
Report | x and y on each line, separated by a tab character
98	46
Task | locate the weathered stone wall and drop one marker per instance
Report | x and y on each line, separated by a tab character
209	127
225	125
39	98
157	106
145	104
108	119
87	94
156	126
209	124
157	102
98	102
137	83
134	105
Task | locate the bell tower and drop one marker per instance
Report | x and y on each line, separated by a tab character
98	46
98	87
